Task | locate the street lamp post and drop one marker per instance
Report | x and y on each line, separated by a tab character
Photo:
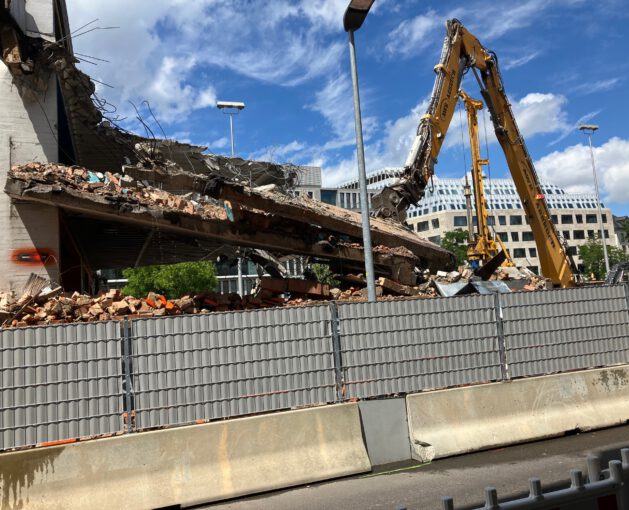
232	108
353	19
588	129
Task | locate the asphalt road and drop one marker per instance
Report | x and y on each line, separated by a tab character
418	487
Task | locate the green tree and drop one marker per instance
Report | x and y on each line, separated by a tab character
456	242
324	274
591	254
171	280
624	226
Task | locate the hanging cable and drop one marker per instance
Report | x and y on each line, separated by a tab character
462	138
490	186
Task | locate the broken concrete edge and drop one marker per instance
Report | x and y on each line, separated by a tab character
49	183
455	421
387	237
189	465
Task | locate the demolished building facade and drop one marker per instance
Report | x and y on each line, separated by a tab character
83	194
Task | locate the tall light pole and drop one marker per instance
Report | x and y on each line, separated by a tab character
588	129
232	108
353	19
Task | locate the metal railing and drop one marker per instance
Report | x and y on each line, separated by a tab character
600	491
91	379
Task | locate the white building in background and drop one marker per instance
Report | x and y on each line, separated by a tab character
575	215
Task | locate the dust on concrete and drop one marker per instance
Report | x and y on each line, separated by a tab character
613	380
18	471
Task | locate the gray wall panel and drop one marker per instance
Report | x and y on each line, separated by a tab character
204	367
568	329
59	382
395	347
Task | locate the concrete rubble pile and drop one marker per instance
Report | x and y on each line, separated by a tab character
44	303
52	306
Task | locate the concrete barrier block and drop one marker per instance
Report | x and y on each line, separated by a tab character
188	465
461	420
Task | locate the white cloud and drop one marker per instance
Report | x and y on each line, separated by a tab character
520	61
571	168
171	96
219	143
391	151
162	47
413	35
287	153
334	102
596	86
538	113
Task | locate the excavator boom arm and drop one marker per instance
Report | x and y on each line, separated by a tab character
462	52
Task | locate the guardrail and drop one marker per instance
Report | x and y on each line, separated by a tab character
59	383
611	493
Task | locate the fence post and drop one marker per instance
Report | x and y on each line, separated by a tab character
335	329
502	349
127	374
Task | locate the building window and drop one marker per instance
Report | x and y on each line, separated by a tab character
566	219
435	223
535	269
553	218
606	234
460	221
491	221
532	252
328	196
515	237
590	218
579	218
579	234
572	251
566	234
503	236
422	226
515	220
591	234
435	239
604	218
502	220
527	236
519	253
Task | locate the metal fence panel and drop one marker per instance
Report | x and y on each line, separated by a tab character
203	367
568	329
59	382
412	345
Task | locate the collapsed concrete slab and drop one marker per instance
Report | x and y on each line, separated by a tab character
237	216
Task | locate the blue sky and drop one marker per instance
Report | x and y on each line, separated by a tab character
563	62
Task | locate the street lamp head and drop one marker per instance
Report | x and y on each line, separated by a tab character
222	105
355	14
588	127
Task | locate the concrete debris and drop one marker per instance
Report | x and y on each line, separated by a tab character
504	279
114	185
51	306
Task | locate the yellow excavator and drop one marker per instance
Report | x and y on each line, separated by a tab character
483	245
461	53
